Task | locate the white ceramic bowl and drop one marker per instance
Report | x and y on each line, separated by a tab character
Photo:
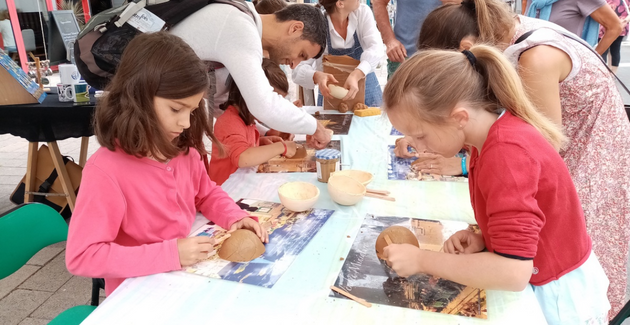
363	177
345	190
298	196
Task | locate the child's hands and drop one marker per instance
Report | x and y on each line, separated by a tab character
269	139
402	148
285	136
464	242
404	259
298	103
432	163
194	249
253	225
291	149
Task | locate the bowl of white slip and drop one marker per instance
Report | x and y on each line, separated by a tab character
298	196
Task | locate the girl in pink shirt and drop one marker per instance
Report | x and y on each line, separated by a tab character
532	225
141	190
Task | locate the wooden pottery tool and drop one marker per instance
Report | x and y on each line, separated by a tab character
351	296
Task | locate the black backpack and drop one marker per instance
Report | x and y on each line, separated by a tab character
99	46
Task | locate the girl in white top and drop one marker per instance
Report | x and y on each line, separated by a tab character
352	31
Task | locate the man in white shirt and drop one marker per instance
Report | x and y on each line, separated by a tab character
223	33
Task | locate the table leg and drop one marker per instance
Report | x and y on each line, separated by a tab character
31	171
84	151
64	178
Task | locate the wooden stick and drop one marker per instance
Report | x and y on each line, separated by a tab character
220	240
382	197
381	192
388	240
351	296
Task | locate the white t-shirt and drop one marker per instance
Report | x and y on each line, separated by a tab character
7	33
223	33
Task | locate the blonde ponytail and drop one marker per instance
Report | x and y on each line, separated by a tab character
432	82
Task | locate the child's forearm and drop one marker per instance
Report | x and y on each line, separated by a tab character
255	156
480	270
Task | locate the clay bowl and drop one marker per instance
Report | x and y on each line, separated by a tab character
345	190
242	246
363	177
298	196
398	235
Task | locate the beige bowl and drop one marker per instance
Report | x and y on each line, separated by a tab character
298	196
363	177
345	190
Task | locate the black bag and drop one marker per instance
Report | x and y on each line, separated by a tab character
579	40
99	46
46	182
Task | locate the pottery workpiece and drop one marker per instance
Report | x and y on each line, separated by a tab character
362	176
343	107
242	246
300	152
298	196
398	235
337	92
345	190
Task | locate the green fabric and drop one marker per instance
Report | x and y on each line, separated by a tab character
24	231
73	316
391	68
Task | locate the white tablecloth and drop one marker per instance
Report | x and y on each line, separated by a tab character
301	296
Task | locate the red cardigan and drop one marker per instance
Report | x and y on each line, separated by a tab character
525	201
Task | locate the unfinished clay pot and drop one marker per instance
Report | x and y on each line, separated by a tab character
242	246
300	152
398	235
343	107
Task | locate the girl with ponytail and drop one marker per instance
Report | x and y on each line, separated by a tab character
532	225
568	82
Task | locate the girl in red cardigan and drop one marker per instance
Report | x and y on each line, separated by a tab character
236	130
532	224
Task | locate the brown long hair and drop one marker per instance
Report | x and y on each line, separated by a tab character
328	5
154	64
430	84
277	79
266	7
488	20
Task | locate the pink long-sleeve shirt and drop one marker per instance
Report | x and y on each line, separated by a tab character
130	212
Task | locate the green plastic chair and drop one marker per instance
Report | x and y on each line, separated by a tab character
24	231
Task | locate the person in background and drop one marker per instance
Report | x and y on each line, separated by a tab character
532	225
568	83
351	31
581	17
236	130
7	32
401	40
141	191
615	48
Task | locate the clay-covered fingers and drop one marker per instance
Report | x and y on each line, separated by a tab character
194	249
291	148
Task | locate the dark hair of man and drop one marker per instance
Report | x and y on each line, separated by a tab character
313	20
